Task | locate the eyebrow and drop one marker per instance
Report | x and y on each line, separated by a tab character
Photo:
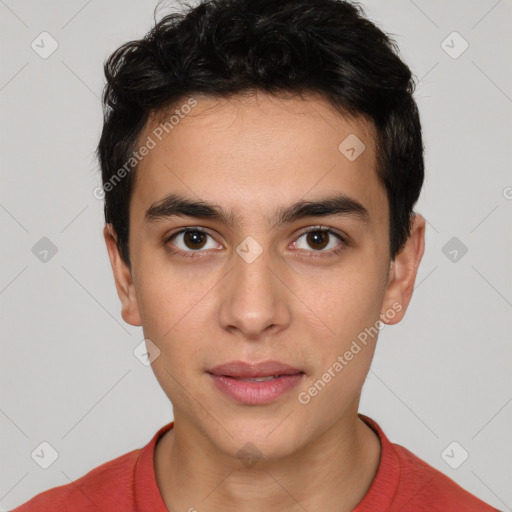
176	205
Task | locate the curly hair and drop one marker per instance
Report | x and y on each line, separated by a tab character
227	47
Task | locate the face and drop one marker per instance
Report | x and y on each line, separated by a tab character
248	277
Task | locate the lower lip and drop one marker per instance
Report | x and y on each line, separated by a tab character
256	393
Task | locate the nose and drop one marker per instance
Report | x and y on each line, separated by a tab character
253	298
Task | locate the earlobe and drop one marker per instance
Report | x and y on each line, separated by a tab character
123	279
402	274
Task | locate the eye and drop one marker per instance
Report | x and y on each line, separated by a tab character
320	240
192	240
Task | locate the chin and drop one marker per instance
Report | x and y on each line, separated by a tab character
256	441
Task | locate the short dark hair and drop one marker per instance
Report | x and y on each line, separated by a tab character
227	47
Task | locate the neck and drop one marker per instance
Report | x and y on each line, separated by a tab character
333	472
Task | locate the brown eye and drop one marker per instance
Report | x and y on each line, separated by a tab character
320	240
317	239
194	239
189	241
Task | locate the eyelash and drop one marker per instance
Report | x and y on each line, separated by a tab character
321	254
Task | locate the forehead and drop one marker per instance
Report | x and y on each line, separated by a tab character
249	152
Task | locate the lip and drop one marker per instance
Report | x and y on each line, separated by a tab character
243	370
229	379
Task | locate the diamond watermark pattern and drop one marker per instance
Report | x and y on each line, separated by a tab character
249	454
146	352
454	455
454	250
249	249
44	250
454	45
352	147
44	455
44	45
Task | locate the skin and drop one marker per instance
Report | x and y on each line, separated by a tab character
296	303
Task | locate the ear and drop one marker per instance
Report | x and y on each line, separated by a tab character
402	274
123	279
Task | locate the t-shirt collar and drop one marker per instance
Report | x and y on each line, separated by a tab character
379	496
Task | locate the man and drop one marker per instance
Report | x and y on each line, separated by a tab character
260	163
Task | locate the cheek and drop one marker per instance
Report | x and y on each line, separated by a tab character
350	307
176	311
168	295
348	304
344	300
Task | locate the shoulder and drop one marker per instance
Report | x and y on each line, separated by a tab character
406	483
106	487
422	488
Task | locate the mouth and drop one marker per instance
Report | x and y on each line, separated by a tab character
246	370
255	379
255	384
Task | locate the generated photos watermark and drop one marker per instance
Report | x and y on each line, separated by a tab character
137	156
304	397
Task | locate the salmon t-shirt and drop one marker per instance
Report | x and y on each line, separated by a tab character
403	483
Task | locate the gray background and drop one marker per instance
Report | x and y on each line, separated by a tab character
68	375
